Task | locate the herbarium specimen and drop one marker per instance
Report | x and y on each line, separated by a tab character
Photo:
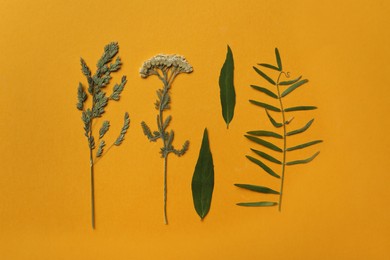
226	87
97	84
203	179
279	91
166	68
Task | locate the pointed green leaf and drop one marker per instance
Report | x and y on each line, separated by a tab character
126	125
264	143
203	178
293	87
265	133
264	76
301	146
267	156
301	130
299	108
273	121
266	106
256	188
268	66
226	86
289	82
257	204
278	60
265	91
311	158
263	166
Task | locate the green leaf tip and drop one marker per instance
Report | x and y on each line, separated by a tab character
226	86
203	178
260	189
257	204
278	59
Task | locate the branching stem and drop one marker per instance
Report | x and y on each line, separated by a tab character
284	140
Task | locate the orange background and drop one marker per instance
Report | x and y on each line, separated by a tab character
336	207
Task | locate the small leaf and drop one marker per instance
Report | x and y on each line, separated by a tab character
266	156
289	82
166	122
301	130
203	179
103	130
256	188
263	166
126	125
264	143
273	121
301	146
278	60
299	108
304	161
265	133
226	86
265	91
84	68
264	76
266	106
293	87
268	66
183	150
258	204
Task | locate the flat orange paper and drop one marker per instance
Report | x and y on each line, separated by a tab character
336	207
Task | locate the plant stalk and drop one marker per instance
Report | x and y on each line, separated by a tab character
165	190
284	142
92	190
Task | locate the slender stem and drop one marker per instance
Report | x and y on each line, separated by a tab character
165	190
284	143
163	137
92	189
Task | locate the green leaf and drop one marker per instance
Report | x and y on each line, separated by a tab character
257	204
263	166
103	130
266	106
264	76
126	125
265	91
289	82
264	143
293	87
301	146
278	60
110	50
311	158
256	188
183	150
85	69
226	86
268	66
203	179
265	133
266	156
301	130
299	108
273	121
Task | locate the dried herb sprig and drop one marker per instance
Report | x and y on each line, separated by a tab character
96	86
279	92
166	68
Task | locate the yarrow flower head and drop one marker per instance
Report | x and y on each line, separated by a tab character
178	64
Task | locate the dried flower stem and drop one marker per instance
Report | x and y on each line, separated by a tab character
166	68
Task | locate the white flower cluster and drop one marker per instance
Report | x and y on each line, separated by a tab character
162	61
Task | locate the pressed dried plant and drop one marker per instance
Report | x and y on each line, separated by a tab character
97	85
166	68
279	91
